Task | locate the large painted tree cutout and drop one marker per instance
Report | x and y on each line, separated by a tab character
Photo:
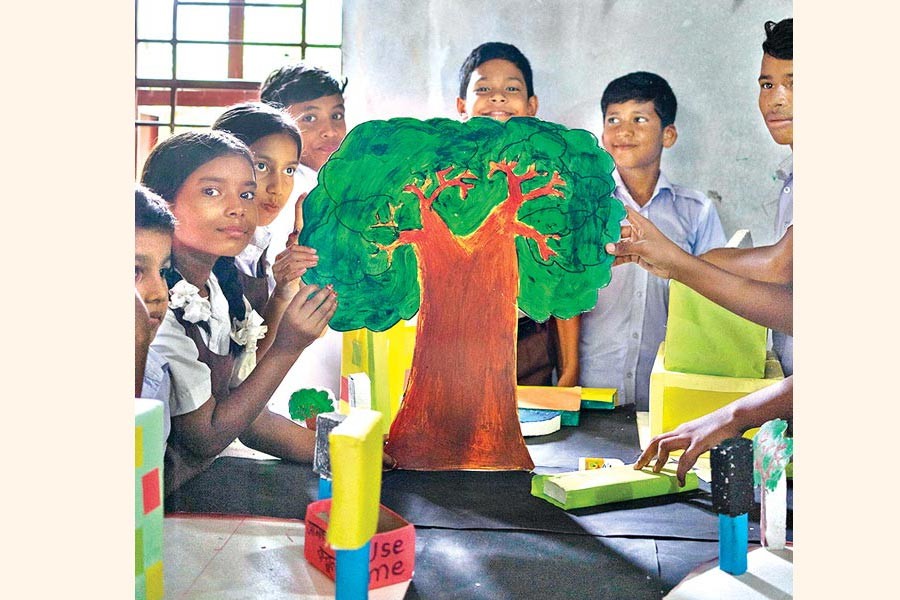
462	222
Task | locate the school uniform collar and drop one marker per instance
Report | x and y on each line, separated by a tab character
621	192
786	169
262	235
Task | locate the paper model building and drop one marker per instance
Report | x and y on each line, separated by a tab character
731	462
461	223
148	507
593	487
677	398
351	537
707	339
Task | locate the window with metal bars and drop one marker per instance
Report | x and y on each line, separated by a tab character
193	57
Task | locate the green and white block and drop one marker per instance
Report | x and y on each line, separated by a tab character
149	447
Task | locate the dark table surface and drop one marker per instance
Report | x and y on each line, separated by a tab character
483	535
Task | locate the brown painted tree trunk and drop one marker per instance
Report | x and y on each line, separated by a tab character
459	410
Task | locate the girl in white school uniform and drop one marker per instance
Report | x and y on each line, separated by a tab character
276	145
211	335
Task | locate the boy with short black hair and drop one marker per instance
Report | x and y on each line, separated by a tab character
315	99
154	225
495	81
756	283
621	335
776	103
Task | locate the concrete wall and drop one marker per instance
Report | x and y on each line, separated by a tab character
402	58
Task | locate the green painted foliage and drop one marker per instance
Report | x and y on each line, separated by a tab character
772	450
362	183
308	402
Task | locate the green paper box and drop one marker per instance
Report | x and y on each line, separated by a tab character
706	339
579	489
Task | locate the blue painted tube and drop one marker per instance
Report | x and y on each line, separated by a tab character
352	574
324	488
733	544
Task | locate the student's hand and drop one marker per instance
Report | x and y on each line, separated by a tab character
644	244
694	437
290	264
305	318
568	378
387	462
298	213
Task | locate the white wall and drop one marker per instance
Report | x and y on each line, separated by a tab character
402	58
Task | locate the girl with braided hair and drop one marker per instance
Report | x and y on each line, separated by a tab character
210	334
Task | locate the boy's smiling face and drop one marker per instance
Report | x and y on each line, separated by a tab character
633	134
497	90
776	98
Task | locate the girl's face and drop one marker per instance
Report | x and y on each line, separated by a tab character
215	208
275	160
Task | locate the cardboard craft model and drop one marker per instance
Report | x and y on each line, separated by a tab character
461	223
593	487
148	507
772	450
351	537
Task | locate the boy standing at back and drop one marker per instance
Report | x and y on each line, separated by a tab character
621	335
315	99
495	81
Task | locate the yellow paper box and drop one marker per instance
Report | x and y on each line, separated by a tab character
676	398
355	450
386	357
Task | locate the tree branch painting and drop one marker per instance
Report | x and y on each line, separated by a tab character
462	223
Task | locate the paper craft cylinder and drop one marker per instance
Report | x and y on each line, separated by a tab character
731	463
773	515
733	544
352	580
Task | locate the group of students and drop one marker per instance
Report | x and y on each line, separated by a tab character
222	314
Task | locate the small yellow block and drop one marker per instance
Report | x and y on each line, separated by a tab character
599	394
587	463
154	579
138	446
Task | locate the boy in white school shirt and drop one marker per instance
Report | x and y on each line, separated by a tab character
315	99
621	335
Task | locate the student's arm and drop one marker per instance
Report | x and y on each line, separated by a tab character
567	333
697	436
279	436
142	337
216	423
290	264
773	264
759	301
